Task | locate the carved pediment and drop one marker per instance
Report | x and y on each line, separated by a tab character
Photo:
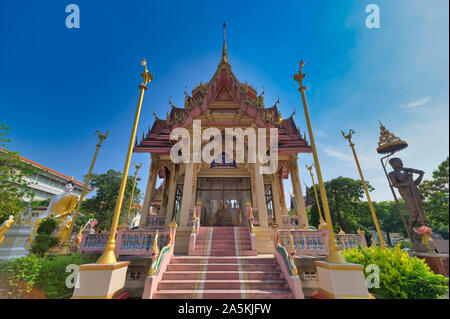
223	99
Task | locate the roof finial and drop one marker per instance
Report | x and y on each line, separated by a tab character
224	58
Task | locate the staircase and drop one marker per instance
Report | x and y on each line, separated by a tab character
223	266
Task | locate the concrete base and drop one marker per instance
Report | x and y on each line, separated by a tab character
437	262
97	281
342	281
16	243
264	240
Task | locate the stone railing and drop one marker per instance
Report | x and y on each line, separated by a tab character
285	259
315	242
306	242
128	242
349	241
290	221
156	222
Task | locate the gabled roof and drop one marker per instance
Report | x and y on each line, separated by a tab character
223	91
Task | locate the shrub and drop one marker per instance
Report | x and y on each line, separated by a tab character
33	277
22	275
405	244
52	275
44	240
401	276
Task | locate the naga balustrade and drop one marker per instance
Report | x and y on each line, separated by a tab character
160	259
128	242
195	223
285	259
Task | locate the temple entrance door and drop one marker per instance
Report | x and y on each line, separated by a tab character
223	200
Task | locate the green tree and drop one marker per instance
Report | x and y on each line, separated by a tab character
13	173
436	193
344	200
102	205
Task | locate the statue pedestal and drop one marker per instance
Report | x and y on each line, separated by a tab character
17	242
98	281
438	262
342	281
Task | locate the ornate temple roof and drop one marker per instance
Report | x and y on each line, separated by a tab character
221	97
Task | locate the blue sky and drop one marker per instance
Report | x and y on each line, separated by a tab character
58	85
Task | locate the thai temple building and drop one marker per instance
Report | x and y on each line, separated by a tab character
220	228
223	189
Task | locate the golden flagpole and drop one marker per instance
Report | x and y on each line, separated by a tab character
134	186
66	240
322	223
108	256
375	220
334	255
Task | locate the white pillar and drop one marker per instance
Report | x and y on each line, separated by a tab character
187	194
295	179
260	196
149	191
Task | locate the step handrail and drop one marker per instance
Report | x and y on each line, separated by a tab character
160	260
286	262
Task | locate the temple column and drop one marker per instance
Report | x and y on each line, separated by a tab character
187	194
150	190
276	199
295	179
260	196
171	197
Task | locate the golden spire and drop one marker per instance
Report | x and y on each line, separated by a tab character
224	58
389	143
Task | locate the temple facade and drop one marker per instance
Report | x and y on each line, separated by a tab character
221	189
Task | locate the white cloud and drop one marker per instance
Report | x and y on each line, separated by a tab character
337	154
415	104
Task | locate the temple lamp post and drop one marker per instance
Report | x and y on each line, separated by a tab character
334	255
322	223
66	240
108	256
377	226
390	144
134	186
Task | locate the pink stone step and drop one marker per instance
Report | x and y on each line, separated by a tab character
221	241
221	267
223	284
222	275
222	260
223	294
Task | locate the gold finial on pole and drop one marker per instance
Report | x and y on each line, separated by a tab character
334	255
108	256
374	216
66	239
322	223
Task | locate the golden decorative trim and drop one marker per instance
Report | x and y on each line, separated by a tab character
339	266
90	267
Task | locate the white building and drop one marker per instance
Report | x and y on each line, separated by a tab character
46	182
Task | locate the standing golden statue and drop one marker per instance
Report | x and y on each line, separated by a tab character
5	227
60	207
